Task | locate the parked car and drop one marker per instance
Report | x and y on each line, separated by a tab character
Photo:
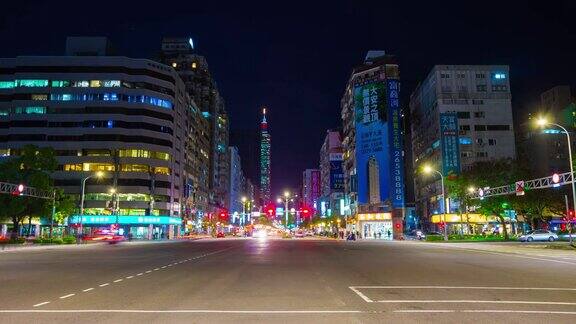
299	233
538	235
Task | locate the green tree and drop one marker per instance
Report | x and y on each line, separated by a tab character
31	168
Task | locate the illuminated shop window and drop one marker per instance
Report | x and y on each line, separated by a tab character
31	83
39	97
4	152
7	84
60	83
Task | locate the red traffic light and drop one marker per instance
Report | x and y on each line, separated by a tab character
397	225
19	190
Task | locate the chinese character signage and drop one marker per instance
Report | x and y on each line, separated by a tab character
450	144
396	147
336	176
379	138
315	180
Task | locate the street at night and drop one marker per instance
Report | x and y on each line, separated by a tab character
287	280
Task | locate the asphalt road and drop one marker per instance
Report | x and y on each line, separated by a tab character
285	281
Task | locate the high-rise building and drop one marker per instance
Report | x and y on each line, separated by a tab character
546	150
332	174
236	181
248	143
180	54
311	185
128	118
373	148
460	114
265	142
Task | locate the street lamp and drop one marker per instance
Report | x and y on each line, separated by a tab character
543	122
286	196
98	175
428	170
116	203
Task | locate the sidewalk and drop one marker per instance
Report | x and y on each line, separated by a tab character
5	248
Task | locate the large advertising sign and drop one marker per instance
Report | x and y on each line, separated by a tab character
395	131
336	172
450	144
315	185
379	139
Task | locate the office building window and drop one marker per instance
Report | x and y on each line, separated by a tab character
445	75
480	76
465	154
464	127
31	83
499	88
72	167
479	114
481	88
162	170
499	76
481	154
134	168
464	140
98	167
491	142
7	84
80	84
30	110
479	141
95	83
479	128
463	114
498	127
477	101
39	97
60	83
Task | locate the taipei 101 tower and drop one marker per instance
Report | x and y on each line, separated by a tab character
264	160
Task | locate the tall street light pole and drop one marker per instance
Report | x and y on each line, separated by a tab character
428	170
98	174
543	122
243	211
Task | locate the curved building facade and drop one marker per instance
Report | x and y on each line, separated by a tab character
127	118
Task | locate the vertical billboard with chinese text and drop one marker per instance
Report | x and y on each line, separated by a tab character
450	143
379	138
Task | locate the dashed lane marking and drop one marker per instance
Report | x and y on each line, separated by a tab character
104	284
41	304
66	296
118	280
87	289
129	277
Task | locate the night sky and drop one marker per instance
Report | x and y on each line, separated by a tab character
295	58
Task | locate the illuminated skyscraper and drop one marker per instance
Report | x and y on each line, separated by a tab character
264	160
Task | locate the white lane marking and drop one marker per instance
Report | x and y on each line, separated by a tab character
464	287
425	311
118	280
148	271
518	311
41	304
515	254
140	274
366	299
522	302
104	284
156	269
129	277
66	296
87	289
196	311
163	267
170	265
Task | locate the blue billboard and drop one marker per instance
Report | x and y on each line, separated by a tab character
379	143
450	143
336	175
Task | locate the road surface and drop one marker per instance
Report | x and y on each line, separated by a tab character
284	281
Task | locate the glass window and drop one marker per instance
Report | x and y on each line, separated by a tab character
134	168
465	140
31	83
39	97
60	83
7	84
161	156
81	84
162	170
98	167
73	167
4	152
112	83
95	83
30	110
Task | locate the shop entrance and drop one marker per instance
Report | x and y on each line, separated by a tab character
380	230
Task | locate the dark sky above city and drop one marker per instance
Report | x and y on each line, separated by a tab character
295	57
